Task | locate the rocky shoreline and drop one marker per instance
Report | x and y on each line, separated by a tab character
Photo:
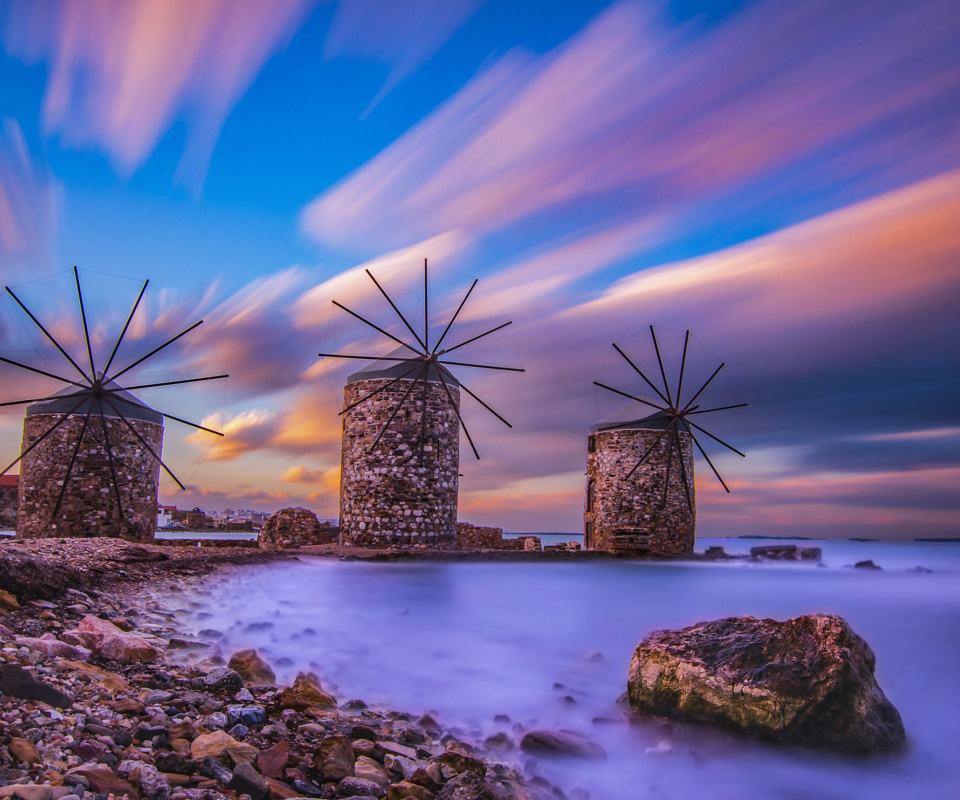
98	699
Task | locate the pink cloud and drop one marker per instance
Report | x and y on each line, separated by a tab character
645	119
122	70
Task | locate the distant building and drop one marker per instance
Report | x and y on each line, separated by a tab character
165	516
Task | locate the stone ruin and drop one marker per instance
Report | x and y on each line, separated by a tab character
295	527
389	495
627	515
89	505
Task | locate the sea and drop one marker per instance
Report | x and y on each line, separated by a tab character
508	646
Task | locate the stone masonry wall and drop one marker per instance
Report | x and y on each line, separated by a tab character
295	527
477	537
388	497
89	506
625	515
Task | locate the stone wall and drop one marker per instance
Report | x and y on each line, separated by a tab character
8	500
295	527
388	497
89	505
477	537
626	515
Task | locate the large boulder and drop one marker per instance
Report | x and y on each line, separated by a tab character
807	681
294	527
252	668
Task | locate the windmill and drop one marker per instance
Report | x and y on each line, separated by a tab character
402	417
640	493
90	459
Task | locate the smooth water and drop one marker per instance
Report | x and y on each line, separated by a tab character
468	641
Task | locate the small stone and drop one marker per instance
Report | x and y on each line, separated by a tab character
219	744
405	789
224	679
273	761
246	780
129	705
354	787
104	781
561	743
8	602
28	791
371	770
24	751
305	693
252	668
334	758
213	769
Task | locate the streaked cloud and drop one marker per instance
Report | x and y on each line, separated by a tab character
243	433
301	474
403	34
632	118
121	71
28	207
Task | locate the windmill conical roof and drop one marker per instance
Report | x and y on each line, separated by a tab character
383	369
63	402
625	418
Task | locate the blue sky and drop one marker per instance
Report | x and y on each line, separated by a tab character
778	177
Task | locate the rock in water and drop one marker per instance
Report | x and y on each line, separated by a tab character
294	527
807	681
253	669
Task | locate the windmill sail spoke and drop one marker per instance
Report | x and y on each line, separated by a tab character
718	408
640	373
375	392
704	454
50	336
143	441
683	366
483	366
700	391
41	399
396	411
83	318
683	468
73	460
126	325
705	432
393	305
646	454
456	410
454	317
630	396
663	372
175	383
156	350
113	467
473	339
41	372
46	433
376	327
462	386
130	401
426	311
368	358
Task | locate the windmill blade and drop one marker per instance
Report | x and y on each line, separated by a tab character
46	433
126	325
47	333
426	311
73	460
143	441
683	366
132	402
83	318
715	438
632	397
483	366
456	410
393	305
683	468
175	383
645	455
463	386
666	483
41	372
113	468
156	350
396	411
704	454
718	408
640	373
473	339
376	327
41	399
700	391
375	392
454	317
663	372
366	358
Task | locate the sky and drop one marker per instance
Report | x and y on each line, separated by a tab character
782	179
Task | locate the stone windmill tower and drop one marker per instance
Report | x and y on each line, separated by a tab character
640	491
400	454
90	459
